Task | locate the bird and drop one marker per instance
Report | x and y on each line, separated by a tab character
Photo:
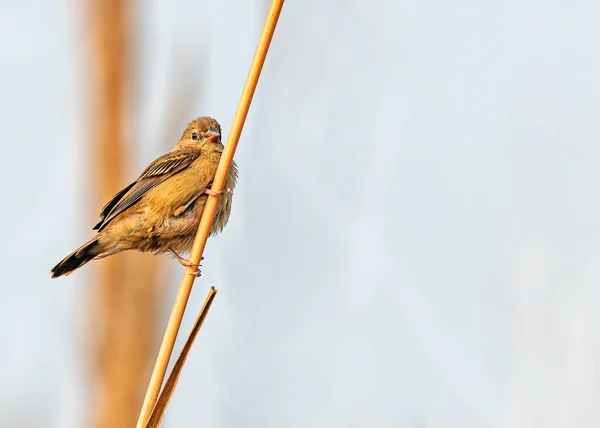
160	211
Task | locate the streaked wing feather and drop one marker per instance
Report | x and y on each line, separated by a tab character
110	205
165	166
158	171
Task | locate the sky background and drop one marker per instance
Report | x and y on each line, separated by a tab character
415	234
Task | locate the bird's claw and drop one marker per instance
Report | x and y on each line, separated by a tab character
213	193
196	273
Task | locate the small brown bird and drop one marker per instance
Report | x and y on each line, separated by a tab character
161	210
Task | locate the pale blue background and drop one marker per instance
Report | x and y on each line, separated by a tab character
418	203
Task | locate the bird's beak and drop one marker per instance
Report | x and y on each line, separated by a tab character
212	135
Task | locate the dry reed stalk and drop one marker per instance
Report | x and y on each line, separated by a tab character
167	392
124	308
187	282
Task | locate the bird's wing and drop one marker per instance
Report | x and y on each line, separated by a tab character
158	171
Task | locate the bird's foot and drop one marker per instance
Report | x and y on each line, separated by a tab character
184	262
212	193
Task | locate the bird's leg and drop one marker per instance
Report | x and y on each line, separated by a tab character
185	262
182	208
207	191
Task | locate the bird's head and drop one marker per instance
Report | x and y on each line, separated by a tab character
202	130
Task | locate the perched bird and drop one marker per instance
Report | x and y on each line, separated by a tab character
161	210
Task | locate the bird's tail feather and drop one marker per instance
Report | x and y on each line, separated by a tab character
78	258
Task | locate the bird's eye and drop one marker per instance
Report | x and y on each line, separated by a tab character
196	136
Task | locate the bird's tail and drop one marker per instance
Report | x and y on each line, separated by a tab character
78	258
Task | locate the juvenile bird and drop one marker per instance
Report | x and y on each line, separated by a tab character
161	210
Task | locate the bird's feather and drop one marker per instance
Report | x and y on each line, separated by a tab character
110	204
158	171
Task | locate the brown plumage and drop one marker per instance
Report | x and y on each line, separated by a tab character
161	210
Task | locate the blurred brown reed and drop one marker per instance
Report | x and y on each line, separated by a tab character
123	316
